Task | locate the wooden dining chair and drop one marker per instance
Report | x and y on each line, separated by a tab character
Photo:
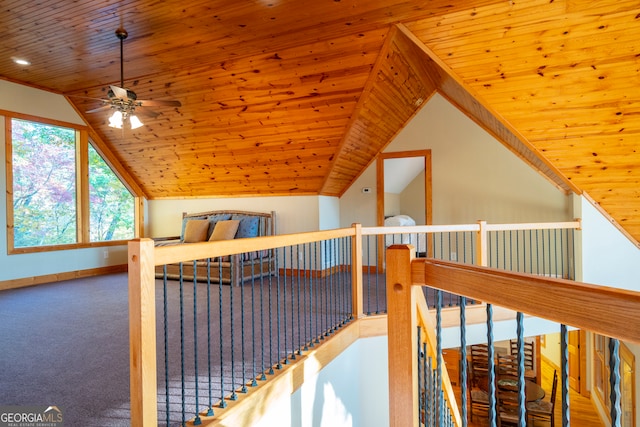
507	366
479	363
530	373
508	408
478	399
542	409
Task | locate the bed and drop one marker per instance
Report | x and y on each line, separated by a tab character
418	240
223	225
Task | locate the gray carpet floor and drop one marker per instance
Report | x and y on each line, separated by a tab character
67	344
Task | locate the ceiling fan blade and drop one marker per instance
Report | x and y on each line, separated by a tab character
119	92
147	113
96	110
158	103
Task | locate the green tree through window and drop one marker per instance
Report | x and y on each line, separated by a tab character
49	191
44	184
110	203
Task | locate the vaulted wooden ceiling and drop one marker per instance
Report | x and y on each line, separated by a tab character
297	97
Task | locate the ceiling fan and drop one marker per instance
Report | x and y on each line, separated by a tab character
125	102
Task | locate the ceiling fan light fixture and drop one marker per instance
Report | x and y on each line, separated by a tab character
135	122
115	121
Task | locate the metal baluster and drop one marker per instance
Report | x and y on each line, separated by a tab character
425	384
263	376
254	376
320	290
491	380
517	250
564	360
209	379
197	421
318	294
284	309
522	399
243	389
309	336
337	302
233	395
562	253
368	240
614	381
298	297
293	311
421	386
463	359
166	340
182	381
223	403
439	355
270	313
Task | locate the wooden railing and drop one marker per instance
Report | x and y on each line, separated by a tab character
144	257
607	311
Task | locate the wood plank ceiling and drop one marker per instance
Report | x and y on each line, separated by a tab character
292	97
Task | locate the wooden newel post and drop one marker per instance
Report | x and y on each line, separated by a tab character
142	333
403	341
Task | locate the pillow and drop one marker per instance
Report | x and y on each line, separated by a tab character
224	230
213	220
196	231
248	227
184	223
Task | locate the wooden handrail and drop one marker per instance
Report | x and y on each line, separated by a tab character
190	251
581	305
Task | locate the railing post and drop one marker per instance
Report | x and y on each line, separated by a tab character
142	334
402	338
356	273
481	248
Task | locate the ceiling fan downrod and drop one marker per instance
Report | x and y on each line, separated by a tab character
122	34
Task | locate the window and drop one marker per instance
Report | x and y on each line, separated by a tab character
51	203
44	184
116	222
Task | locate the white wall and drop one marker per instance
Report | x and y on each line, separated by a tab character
352	390
26	100
608	257
412	193
474	176
328	213
293	214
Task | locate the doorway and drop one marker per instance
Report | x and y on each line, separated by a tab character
398	170
391	171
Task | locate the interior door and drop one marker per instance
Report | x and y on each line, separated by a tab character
574	360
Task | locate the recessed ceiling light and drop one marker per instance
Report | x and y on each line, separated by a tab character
21	61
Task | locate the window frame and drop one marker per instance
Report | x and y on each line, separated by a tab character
82	187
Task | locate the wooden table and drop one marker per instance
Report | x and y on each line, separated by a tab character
532	390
